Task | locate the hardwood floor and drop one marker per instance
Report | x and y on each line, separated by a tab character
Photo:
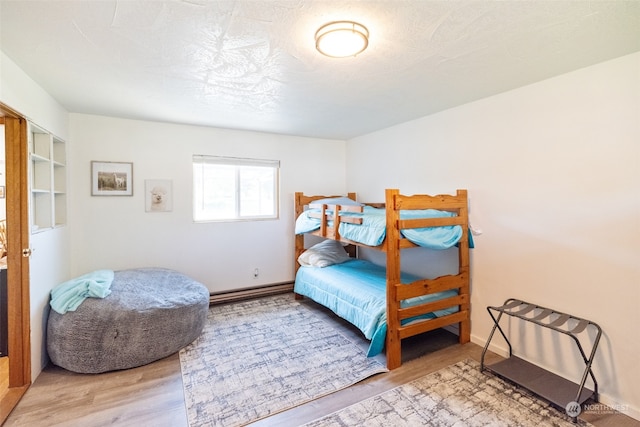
152	395
4	376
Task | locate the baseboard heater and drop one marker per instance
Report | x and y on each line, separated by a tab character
247	293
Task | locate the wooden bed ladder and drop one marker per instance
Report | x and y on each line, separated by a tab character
395	242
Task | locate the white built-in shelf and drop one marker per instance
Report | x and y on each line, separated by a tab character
48	179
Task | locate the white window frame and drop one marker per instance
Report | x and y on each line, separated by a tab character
202	214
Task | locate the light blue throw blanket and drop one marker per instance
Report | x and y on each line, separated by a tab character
69	295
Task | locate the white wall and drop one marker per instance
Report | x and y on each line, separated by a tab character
116	232
552	171
49	264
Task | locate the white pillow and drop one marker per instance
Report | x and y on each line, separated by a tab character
324	254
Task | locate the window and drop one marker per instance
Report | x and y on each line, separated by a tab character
227	188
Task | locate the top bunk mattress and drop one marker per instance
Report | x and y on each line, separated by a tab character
372	231
356	291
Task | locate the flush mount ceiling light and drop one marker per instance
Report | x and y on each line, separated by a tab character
341	39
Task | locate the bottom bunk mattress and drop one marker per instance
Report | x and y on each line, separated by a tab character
356	291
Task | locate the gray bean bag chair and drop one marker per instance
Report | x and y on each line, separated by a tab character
151	313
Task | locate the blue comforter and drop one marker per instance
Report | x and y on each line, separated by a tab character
356	291
373	229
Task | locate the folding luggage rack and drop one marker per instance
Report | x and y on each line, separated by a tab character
551	387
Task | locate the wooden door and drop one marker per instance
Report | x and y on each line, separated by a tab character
17	198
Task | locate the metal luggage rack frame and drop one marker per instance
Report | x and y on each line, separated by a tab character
551	387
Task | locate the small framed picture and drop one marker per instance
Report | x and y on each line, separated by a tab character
111	178
158	195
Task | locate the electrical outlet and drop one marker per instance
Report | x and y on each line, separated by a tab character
256	273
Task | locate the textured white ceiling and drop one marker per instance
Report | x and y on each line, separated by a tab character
252	64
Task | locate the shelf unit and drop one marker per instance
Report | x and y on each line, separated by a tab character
48	179
551	387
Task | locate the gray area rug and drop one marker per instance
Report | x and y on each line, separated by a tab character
259	357
459	395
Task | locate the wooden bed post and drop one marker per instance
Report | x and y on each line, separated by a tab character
393	341
463	254
299	238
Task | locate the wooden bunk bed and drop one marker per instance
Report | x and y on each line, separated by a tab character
331	217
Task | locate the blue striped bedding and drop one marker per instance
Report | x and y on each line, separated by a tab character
356	291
